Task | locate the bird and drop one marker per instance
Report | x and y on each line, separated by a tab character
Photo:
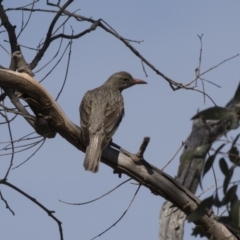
101	112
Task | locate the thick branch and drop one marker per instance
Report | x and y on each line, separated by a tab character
157	181
11	33
192	159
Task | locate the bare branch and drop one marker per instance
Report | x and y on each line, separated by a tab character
29	17
6	203
12	146
146	174
49	212
105	194
47	42
43	141
55	65
67	68
114	224
226	60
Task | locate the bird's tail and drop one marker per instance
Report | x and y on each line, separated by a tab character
93	154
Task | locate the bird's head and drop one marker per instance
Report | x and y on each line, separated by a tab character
122	80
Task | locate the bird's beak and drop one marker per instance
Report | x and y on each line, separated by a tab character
138	81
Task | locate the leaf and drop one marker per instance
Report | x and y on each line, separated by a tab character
234	211
224	220
208	164
227	179
200	181
198	230
229	195
224	166
234	122
213	113
237	93
217	202
201	210
211	159
235	140
233	155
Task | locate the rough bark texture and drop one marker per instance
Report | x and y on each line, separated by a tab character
191	163
157	181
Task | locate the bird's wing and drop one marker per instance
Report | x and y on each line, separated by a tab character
85	113
114	112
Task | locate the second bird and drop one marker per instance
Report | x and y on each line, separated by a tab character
101	112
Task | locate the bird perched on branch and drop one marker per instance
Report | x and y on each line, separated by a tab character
101	112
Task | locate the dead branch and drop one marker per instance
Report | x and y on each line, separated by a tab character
49	212
151	177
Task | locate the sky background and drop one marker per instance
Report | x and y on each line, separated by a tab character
169	30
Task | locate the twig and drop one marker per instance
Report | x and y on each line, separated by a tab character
43	141
5	49
47	42
12	146
105	194
143	147
206	190
55	65
29	17
173	156
121	215
6	203
203	79
219	64
50	59
67	68
144	70
49	212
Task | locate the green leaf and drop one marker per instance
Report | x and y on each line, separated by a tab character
233	155
201	210
210	160
229	195
213	113
234	211
227	179
223	166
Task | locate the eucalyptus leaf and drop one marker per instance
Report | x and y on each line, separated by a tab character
201	210
229	195
224	166
233	155
213	113
234	211
227	179
211	159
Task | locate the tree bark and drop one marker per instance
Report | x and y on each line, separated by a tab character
191	163
146	174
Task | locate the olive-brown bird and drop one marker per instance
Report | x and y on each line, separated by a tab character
101	112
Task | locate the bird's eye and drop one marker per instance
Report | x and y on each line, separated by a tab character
125	79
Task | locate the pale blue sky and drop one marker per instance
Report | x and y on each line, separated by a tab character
169	30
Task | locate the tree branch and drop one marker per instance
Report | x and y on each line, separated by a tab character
151	177
48	40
